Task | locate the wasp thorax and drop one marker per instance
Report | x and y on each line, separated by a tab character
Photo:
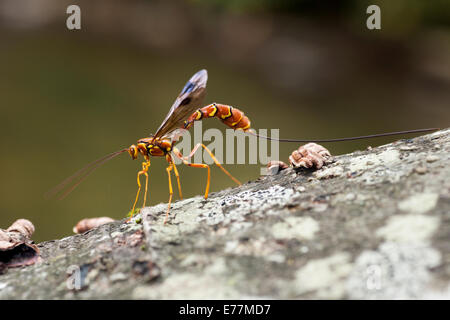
141	148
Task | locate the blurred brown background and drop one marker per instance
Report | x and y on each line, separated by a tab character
310	68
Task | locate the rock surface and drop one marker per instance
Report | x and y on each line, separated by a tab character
372	224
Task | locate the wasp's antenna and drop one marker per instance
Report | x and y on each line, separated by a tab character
348	138
80	175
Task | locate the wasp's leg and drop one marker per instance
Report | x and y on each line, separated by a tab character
195	165
218	164
147	164
169	169
144	171
198	145
178	180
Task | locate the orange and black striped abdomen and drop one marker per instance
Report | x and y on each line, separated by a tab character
232	117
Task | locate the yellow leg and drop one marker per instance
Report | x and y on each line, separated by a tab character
144	171
219	165
199	165
178	180
195	165
169	169
146	185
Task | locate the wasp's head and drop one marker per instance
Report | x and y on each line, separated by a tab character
141	148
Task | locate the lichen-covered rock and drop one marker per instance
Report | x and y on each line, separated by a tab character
367	226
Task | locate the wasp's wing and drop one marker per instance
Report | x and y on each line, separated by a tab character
189	99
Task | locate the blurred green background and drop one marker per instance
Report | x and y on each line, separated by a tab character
310	68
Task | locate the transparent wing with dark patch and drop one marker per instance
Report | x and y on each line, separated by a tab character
189	99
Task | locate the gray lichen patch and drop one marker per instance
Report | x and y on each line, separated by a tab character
268	249
325	277
394	271
419	203
376	168
327	173
187	286
295	228
388	157
367	226
411	228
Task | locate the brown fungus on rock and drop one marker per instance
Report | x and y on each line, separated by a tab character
310	155
22	226
16	247
275	166
91	223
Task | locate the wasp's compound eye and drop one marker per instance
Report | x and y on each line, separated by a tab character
133	152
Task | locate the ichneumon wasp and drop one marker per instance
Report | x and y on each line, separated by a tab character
183	113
